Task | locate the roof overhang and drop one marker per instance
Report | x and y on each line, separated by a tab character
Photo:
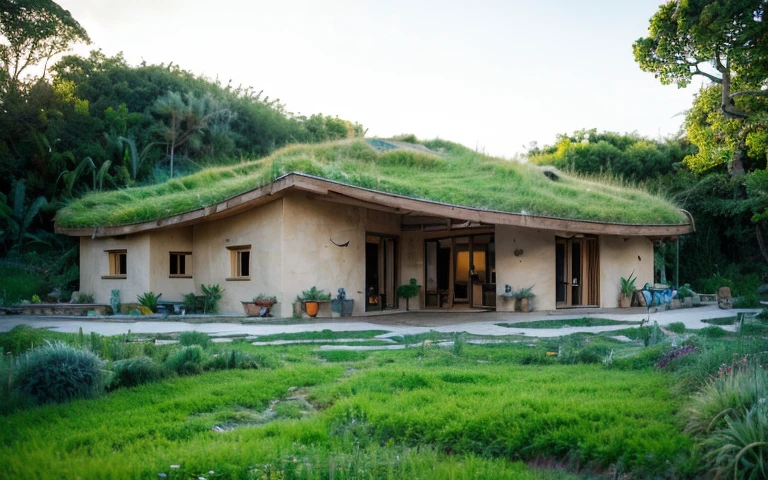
332	191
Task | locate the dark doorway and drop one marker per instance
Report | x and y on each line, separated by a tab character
380	271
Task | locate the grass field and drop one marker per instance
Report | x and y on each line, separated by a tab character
464	411
441	176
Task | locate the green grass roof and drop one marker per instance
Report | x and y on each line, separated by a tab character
437	170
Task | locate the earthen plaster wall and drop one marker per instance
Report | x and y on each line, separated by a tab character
94	265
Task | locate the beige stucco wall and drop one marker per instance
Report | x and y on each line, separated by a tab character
536	266
94	264
311	259
619	256
262	229
162	243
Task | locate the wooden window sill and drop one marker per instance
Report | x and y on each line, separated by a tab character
238	279
179	276
114	277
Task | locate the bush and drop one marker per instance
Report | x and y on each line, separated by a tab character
730	418
20	339
231	360
211	296
712	332
747	301
16	283
676	327
58	373
194	338
135	371
193	303
187	360
149	300
83	298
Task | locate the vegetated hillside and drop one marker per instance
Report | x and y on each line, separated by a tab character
435	170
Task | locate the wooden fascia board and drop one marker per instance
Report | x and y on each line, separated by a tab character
385	201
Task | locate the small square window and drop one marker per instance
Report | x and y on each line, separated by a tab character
240	262
180	264
118	263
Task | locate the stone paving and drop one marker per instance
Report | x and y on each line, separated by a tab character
482	323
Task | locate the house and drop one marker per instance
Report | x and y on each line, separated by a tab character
310	217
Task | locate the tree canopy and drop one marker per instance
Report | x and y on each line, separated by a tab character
726	42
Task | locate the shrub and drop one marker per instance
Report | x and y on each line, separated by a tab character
712	332
211	296
149	300
194	338
135	371
231	360
83	298
730	418
20	339
676	327
730	394
187	360
58	373
675	353
747	301
193	303
741	447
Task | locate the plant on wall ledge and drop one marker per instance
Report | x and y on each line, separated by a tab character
524	296
211	296
627	290
311	300
149	300
408	291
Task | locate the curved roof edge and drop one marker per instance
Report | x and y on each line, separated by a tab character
339	192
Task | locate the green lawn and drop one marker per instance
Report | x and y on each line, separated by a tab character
474	411
568	322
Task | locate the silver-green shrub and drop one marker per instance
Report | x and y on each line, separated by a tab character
58	373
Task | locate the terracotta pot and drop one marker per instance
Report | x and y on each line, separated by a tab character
625	301
524	304
251	309
312	308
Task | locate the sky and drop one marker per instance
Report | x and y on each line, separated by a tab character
492	75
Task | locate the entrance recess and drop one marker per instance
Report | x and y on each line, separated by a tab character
380	271
577	272
460	271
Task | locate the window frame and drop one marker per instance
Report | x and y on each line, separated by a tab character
115	264
235	263
187	264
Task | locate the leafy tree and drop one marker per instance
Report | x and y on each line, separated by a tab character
33	32
186	118
723	41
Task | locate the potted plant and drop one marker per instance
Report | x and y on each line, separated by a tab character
311	299
509	294
341	305
408	291
525	295
685	294
627	290
260	305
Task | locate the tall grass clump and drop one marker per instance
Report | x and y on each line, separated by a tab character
59	373
729	417
187	360
194	338
135	371
20	339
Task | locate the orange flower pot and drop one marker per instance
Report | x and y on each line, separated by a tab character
312	308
